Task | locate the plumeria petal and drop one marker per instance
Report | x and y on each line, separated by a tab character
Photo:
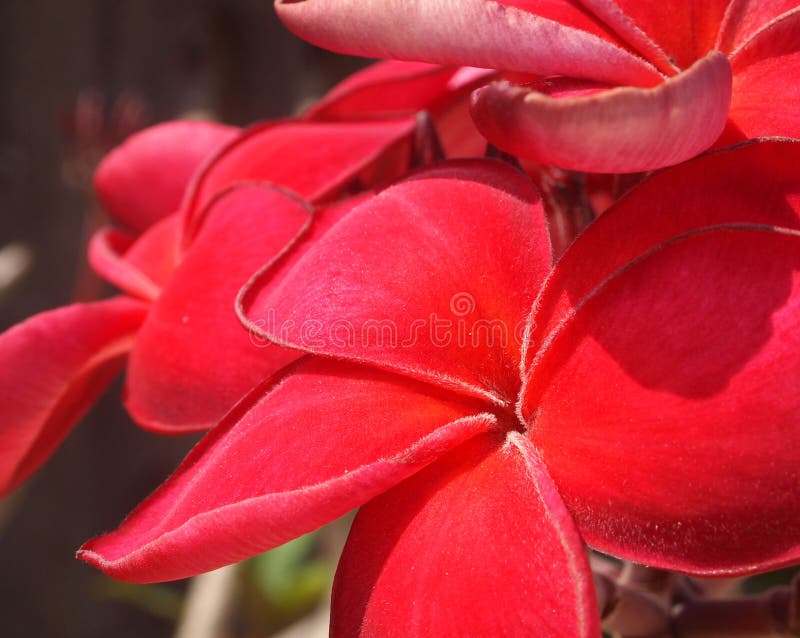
320	440
317	160
779	37
546	38
622	130
193	359
765	100
143	180
390	87
452	290
664	399
684	198
139	267
683	31
744	18
477	544
52	367
765	86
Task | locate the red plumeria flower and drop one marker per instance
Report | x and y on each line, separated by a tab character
201	197
638	84
647	403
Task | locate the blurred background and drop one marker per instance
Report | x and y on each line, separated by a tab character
76	77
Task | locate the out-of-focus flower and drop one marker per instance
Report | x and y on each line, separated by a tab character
630	85
205	205
490	411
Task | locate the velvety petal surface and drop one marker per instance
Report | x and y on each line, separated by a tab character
622	130
421	279
193	359
748	184
744	18
477	544
140	266
545	38
664	400
384	88
144	179
317	160
52	368
766	80
684	30
703	199
318	441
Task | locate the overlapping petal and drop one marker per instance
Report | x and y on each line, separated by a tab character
765	89
390	87
251	485
477	544
52	367
682	31
317	160
744	18
143	180
193	359
421	279
140	267
545	38
749	184
622	130
677	455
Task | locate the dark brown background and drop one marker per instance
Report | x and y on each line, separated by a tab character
229	58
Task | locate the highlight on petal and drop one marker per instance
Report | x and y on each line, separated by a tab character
52	368
368	431
622	130
453	292
479	543
685	356
193	359
143	180
317	160
139	267
508	36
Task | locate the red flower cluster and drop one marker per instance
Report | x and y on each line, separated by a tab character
361	325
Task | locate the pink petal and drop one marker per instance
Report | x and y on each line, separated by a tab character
193	359
665	401
545	38
138	267
744	18
421	279
385	88
684	30
477	544
52	368
143	180
676	201
317	160
623	130
315	443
